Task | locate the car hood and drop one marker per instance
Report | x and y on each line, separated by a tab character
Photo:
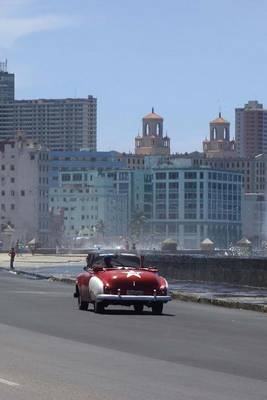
138	278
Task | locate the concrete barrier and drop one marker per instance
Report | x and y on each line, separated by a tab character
240	271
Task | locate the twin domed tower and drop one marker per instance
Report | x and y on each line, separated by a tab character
152	141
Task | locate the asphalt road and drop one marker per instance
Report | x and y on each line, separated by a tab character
51	350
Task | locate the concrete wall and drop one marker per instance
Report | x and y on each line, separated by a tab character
239	271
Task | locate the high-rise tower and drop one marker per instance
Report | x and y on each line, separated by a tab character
59	124
251	129
7	84
152	141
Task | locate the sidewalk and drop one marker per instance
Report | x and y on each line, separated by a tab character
231	296
28	260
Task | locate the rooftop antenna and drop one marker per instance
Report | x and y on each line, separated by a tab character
3	66
220	108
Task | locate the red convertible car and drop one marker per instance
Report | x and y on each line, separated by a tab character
120	279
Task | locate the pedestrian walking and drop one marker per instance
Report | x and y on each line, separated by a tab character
12	255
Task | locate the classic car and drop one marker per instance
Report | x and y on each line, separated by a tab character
120	279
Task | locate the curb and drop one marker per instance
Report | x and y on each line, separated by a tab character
40	276
219	302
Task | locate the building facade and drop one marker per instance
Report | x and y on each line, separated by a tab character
58	124
91	206
255	218
7	84
251	129
192	204
81	161
24	190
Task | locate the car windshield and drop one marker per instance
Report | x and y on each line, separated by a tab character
118	260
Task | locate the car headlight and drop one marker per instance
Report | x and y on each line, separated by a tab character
163	290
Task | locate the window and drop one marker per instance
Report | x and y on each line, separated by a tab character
65	177
173	175
160	175
12	206
190	175
12	167
22	192
12	180
3	167
77	177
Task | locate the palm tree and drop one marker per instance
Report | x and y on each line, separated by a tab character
100	228
137	223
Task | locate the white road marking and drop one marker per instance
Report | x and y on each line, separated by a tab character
9	383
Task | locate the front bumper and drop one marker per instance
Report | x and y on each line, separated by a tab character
132	298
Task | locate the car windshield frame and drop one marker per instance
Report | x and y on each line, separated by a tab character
117	261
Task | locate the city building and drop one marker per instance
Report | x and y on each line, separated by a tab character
132	161
255	218
251	129
152	141
252	168
190	204
82	161
59	124
219	145
24	190
7	84
91	205
183	202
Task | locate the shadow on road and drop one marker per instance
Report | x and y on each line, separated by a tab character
132	312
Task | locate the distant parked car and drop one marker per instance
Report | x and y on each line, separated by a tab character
120	279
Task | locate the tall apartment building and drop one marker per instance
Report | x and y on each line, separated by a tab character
7	84
251	129
23	191
59	124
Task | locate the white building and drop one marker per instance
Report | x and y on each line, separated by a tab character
192	204
24	190
255	218
91	205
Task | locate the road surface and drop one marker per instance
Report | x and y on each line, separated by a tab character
51	350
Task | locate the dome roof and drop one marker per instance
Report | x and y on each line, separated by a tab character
219	120
152	115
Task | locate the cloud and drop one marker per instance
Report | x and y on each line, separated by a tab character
13	27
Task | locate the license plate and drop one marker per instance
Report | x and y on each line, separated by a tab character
135	292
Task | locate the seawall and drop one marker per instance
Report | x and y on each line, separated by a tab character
241	271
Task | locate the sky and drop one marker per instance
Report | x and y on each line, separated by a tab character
188	59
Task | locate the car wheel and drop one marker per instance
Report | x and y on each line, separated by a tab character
138	308
83	305
98	307
157	308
